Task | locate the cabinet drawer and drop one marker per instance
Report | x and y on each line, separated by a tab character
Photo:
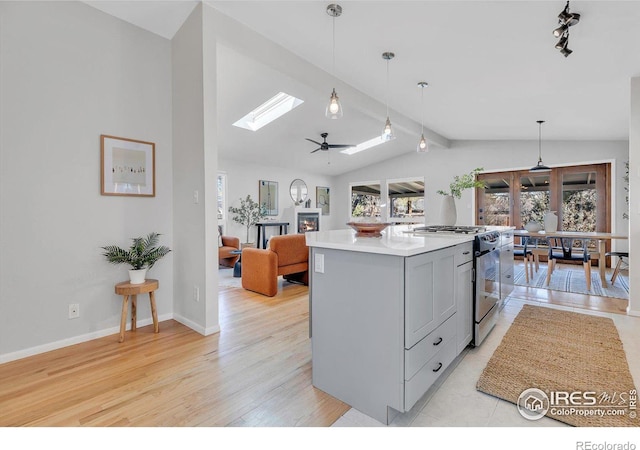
423	351
464	253
506	238
506	258
428	374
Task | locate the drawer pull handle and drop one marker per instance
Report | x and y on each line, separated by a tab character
439	341
439	367
466	253
508	276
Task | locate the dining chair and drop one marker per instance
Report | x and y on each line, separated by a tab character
562	249
616	271
527	256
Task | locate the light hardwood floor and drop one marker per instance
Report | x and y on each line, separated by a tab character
255	372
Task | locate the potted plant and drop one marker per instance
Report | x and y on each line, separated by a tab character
141	256
448	215
248	214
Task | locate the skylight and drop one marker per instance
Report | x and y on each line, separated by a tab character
269	111
364	145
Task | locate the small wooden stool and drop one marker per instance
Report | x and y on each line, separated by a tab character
126	289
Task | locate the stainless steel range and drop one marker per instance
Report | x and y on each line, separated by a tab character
486	286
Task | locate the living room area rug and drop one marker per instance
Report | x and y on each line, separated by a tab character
564	365
568	278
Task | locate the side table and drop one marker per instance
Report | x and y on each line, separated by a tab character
237	267
126	289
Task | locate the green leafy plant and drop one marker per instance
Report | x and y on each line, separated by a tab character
143	253
466	181
248	214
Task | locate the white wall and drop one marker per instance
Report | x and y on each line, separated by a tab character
242	180
194	136
634	198
68	74
438	167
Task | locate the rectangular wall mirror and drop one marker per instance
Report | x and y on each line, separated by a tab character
268	196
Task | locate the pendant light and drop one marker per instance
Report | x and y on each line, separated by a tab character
387	132
423	145
540	167
334	108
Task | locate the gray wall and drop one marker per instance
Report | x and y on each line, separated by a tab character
68	74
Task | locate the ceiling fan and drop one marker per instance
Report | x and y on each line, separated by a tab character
325	146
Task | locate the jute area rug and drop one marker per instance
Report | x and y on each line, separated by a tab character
576	360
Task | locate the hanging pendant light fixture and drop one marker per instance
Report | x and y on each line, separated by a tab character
387	132
423	145
334	108
540	167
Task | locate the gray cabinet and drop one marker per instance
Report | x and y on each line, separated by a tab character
385	327
506	265
429	292
464	297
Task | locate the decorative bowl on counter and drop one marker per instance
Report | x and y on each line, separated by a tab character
368	229
533	227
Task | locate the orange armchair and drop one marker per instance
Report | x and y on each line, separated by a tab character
225	246
287	255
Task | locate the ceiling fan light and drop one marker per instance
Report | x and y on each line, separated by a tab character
334	108
423	145
387	132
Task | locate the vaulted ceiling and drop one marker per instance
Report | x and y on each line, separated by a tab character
492	71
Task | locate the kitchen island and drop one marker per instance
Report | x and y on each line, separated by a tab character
387	314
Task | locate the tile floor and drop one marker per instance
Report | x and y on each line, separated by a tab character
454	401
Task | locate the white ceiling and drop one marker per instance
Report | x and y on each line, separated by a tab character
492	71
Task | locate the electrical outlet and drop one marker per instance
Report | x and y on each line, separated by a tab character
196	293
196	196
319	263
74	310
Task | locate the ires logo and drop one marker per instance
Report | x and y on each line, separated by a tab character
577	398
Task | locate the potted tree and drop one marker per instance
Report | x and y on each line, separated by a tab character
448	214
141	256
248	214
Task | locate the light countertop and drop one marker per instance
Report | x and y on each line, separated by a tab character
396	240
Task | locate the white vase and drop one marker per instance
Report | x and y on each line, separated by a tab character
448	215
137	276
550	221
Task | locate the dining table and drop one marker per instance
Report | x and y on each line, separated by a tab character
599	236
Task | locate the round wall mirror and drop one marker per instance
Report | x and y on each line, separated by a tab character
298	191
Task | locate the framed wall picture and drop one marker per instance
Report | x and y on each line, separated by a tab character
127	167
322	199
268	196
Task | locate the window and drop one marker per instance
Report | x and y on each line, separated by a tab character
406	200
365	199
580	195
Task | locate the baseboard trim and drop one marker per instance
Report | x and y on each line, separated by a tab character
196	326
76	340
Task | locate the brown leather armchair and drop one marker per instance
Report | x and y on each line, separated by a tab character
287	255
229	243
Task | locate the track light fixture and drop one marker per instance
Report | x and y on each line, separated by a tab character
566	19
